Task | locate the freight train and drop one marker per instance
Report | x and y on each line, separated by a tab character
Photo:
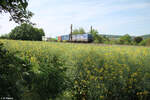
75	38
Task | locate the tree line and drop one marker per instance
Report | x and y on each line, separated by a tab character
29	32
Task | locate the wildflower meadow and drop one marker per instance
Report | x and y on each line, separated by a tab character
92	72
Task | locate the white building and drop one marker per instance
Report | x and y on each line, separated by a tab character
44	38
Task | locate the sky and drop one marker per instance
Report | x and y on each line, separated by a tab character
114	17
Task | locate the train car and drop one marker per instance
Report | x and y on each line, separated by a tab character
82	38
65	38
87	37
76	38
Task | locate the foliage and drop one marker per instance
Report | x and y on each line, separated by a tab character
26	32
13	75
52	40
97	38
78	31
5	36
95	72
126	39
138	39
37	76
148	42
146	36
145	42
17	10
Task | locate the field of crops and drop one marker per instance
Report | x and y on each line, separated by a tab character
95	72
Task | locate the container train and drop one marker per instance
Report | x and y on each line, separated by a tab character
75	38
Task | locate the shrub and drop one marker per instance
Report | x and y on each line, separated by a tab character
148	42
13	75
138	39
96	41
145	42
126	39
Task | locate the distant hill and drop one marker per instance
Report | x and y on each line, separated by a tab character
111	36
118	36
146	36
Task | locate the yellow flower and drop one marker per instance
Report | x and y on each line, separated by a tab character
130	87
145	92
76	82
101	78
91	77
101	97
88	71
134	74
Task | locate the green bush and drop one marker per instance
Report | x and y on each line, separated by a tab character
148	42
138	39
96	41
126	39
145	42
13	75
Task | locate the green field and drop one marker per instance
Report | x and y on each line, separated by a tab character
95	72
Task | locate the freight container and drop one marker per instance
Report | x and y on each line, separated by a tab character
82	37
77	37
74	38
87	37
56	38
65	37
59	38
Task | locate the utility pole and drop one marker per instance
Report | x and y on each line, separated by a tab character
71	32
91	29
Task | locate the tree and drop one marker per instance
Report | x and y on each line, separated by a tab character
96	37
78	31
26	32
126	39
5	36
17	10
138	39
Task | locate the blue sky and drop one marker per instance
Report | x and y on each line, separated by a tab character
107	16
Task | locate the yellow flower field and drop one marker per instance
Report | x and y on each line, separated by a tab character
97	72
